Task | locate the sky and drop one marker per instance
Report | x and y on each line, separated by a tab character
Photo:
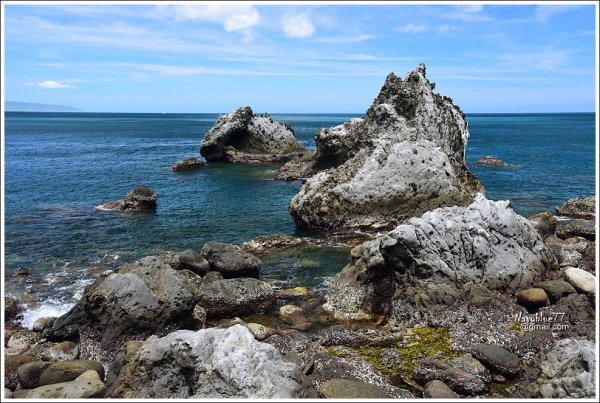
297	58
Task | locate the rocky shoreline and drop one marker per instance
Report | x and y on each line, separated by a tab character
447	294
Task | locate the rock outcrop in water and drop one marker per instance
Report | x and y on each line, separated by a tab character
187	164
440	255
211	363
404	158
141	198
242	137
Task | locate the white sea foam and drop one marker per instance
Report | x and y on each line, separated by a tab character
102	208
49	308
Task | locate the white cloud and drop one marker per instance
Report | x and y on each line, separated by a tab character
297	26
470	8
234	17
413	28
52	85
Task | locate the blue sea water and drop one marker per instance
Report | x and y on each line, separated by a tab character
58	166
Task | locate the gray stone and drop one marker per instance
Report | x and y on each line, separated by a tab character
187	260
467	363
497	359
556	289
11	364
8	394
458	380
187	164
44	323
230	260
86	385
582	280
404	158
259	331
22	341
491	161
199	315
579	208
350	389
438	390
29	373
235	297
210	363
567	371
63	351
243	137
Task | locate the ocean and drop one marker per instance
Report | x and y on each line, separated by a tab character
59	166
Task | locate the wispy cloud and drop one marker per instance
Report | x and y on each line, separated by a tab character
470	8
347	38
545	12
297	25
448	28
413	28
51	85
233	17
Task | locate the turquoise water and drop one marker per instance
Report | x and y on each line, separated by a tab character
58	166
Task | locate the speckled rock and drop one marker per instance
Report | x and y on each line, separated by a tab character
497	359
556	289
404	158
259	331
491	161
63	351
87	385
580	279
22	341
243	137
44	323
576	228
579	208
187	260
458	380
210	363
567	371
545	223
437	255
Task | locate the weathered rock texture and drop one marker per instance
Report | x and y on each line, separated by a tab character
404	158
187	164
141	198
579	208
567	371
442	254
243	137
210	363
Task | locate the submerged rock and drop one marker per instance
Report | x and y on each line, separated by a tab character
404	158
439	255
243	137
187	164
567	371
210	363
491	161
141	198
579	208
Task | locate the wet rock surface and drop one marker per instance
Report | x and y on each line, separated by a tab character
140	199
404	158
579	208
230	260
491	161
242	137
188	164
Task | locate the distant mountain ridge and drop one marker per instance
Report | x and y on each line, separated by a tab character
11	106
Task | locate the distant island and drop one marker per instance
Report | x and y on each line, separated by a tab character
10	106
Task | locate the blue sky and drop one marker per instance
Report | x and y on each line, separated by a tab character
297	57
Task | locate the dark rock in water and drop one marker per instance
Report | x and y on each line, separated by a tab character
576	228
235	297
187	164
139	299
497	359
567	371
404	158
458	380
22	271
438	390
545	223
230	260
141	198
243	137
209	363
12	310
579	208
485	244
491	161
533	298
556	289
298	169
350	389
